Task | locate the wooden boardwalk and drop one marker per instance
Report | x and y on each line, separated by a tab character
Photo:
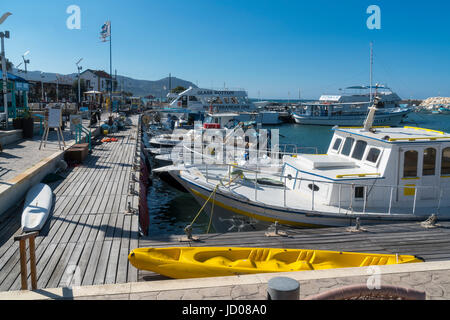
88	235
410	238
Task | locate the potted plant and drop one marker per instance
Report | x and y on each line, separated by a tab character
27	125
17	123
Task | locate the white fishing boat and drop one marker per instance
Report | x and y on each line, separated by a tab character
377	174
228	122
444	109
272	113
352	109
37	206
270	117
200	100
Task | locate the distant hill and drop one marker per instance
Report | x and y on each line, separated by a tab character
137	87
155	88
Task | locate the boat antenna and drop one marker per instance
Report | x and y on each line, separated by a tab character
371	70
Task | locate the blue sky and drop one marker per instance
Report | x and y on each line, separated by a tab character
270	48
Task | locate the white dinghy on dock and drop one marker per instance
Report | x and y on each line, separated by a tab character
38	204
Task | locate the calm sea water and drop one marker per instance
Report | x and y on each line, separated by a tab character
172	210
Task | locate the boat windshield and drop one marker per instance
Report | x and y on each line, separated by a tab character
348	145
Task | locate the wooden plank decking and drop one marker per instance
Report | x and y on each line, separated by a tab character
410	238
88	234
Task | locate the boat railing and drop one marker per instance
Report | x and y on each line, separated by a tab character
295	149
346	199
261	155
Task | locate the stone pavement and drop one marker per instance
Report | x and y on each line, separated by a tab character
431	277
24	154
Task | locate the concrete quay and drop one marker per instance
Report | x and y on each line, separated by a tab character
22	164
431	277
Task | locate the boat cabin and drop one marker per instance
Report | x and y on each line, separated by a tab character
200	100
383	168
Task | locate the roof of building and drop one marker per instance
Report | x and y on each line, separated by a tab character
98	73
15	78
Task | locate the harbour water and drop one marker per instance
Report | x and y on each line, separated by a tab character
172	210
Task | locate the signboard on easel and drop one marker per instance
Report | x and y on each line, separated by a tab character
53	120
75	120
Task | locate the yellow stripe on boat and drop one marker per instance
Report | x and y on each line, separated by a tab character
202	262
257	216
424	129
359	175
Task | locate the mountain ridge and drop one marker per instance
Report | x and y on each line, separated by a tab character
157	88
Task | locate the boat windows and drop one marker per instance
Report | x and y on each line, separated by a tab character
313	187
410	164
348	145
429	162
193	98
217	101
337	144
445	167
360	148
373	155
359	192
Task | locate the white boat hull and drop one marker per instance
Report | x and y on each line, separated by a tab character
232	213
381	119
38	204
269	118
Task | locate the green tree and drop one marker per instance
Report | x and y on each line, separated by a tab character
178	89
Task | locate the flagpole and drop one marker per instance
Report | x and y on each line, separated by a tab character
110	69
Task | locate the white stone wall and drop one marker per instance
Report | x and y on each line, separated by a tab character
96	83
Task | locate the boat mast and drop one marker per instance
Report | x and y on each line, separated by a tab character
371	70
372	109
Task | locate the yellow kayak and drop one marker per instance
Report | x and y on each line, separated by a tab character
200	262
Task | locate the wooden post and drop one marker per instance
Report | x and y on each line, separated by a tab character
23	265
33	263
23	259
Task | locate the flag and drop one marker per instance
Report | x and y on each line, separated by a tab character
106	31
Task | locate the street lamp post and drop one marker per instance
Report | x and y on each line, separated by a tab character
79	68
4	35
42	85
57	93
26	61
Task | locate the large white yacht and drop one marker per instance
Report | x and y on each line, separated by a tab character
200	100
350	108
210	100
376	174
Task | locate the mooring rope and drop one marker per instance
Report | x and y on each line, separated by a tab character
213	195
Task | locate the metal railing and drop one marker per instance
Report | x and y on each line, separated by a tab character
235	152
79	130
402	198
